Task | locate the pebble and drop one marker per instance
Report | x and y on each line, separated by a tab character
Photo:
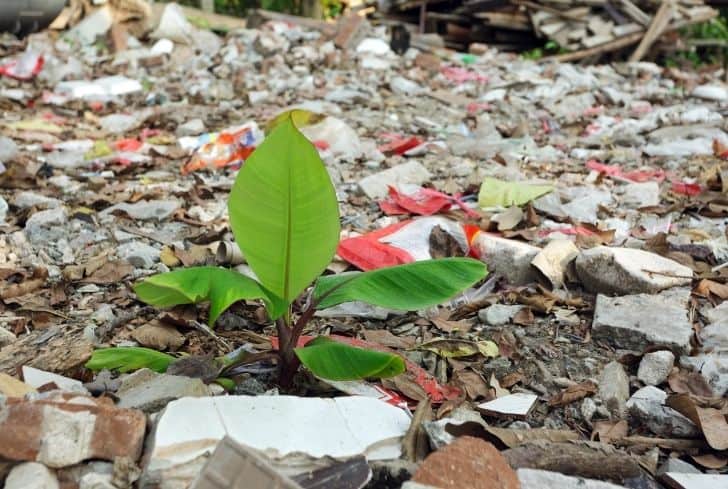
31	475
647	406
499	314
139	254
508	257
614	389
655	367
149	391
376	186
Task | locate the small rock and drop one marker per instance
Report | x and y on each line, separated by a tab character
508	257
96	481
64	429
377	185
8	149
119	123
635	322
437	431
139	254
144	209
149	391
655	367
545	479
31	475
373	45
6	337
26	200
629	271
647	406
614	388
644	194
192	127
588	408
403	86
711	92
45	219
3	207
499	314
467	462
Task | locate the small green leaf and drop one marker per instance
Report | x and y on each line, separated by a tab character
220	286
497	193
126	359
332	360
284	213
301	118
404	287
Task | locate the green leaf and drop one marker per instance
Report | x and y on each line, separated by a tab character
300	117
283	212
497	193
405	287
126	359
332	360
220	286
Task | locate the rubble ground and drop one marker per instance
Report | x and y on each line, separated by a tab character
595	354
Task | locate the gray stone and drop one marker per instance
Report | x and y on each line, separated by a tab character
96	481
588	408
437	431
655	367
715	370
31	475
8	149
635	322
6	337
119	123
508	257
647	406
139	254
614	388
644	194
629	271
673	464
145	209
498	314
46	219
544	479
376	186
25	200
191	128
711	92
3	208
150	391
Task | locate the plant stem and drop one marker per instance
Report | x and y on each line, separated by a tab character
289	360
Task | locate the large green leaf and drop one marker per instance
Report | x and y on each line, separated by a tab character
127	359
499	193
283	212
332	360
220	286
405	287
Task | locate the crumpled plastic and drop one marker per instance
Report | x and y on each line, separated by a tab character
229	148
25	67
413	199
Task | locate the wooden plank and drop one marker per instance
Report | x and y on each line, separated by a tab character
658	25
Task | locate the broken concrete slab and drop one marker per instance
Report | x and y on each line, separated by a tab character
31	475
679	480
637	321
354	426
629	271
544	479
63	429
149	391
513	405
647	406
507	257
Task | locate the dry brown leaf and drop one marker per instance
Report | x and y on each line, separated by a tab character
707	287
514	437
158	336
524	317
386	338
39	277
710	420
507	343
407	386
473	384
573	393
110	273
682	382
449	326
512	379
495	385
607	431
711	460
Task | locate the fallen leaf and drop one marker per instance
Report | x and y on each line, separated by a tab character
159	336
512	379
499	193
449	326
711	460
110	273
473	384
524	317
707	287
711	421
608	431
508	219
573	393
495	385
443	244
454	348
511	437
406	385
386	338
682	382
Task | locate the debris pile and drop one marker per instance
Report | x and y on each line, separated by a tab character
583	29
594	355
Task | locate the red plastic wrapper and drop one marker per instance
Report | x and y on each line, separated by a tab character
399	144
25	67
227	149
637	176
413	199
400	243
689	189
